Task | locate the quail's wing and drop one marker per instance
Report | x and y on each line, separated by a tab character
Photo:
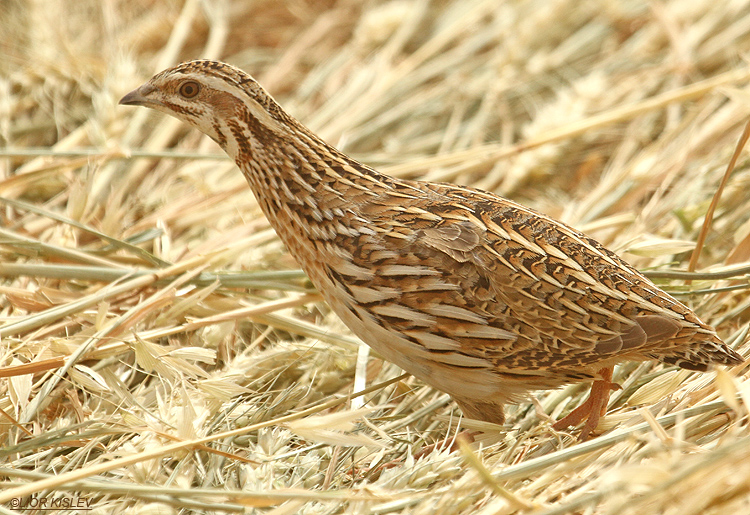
556	293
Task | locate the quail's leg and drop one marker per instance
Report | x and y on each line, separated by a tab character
593	408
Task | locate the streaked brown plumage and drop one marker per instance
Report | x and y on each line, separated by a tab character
474	294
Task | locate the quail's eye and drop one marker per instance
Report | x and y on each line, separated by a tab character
189	89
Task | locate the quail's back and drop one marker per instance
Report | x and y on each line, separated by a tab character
474	294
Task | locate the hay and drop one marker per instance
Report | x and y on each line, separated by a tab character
161	350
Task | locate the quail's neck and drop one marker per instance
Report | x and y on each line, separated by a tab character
298	171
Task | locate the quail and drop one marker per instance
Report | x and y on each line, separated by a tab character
474	294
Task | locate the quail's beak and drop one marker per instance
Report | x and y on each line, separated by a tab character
139	97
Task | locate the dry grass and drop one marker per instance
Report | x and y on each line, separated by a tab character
161	352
